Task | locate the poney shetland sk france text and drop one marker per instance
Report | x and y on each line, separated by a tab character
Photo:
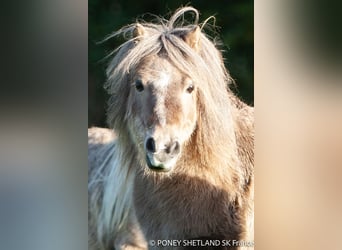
201	243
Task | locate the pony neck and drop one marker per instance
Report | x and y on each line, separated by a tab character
213	153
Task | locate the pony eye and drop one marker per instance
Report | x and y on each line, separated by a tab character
139	85
190	89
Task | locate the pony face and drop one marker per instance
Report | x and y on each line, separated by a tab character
162	111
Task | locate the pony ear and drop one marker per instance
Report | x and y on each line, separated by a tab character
192	38
138	31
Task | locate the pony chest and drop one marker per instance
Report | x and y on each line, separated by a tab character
190	205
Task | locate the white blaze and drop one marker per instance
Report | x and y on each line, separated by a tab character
161	86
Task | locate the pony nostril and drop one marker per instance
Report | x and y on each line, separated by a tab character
176	148
173	148
150	145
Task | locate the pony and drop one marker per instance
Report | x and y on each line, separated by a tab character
177	161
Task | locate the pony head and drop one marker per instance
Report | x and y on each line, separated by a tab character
157	81
162	105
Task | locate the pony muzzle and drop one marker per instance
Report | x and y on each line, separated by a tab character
156	165
161	160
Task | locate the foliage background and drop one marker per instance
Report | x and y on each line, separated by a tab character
234	21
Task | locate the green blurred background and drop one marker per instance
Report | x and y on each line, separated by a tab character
234	19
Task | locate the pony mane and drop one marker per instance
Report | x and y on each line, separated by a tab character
166	36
